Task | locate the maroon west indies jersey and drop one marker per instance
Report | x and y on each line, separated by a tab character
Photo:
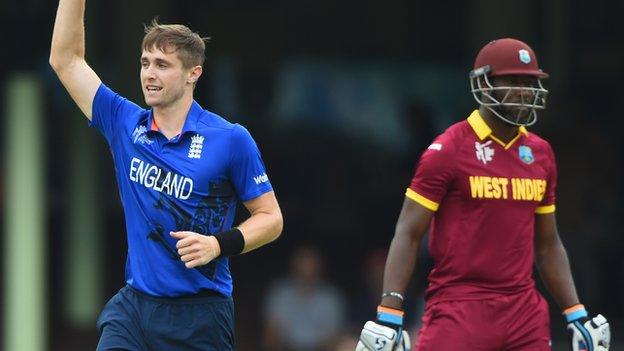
485	195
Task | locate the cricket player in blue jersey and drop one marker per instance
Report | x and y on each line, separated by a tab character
181	170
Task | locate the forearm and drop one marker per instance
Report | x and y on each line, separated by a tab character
260	229
554	267
399	268
68	38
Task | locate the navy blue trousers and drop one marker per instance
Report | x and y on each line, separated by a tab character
133	321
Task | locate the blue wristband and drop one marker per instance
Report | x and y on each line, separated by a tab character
390	316
577	312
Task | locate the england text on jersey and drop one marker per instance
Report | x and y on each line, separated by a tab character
150	176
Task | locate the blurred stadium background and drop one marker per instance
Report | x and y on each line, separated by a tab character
341	96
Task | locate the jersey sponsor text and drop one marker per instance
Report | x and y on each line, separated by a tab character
262	178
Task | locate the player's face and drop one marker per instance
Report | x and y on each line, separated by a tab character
515	96
163	78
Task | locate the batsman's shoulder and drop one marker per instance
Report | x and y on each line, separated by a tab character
536	138
538	144
446	143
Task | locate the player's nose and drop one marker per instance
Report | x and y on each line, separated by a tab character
148	72
522	94
526	95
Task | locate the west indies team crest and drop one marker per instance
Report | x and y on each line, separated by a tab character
526	154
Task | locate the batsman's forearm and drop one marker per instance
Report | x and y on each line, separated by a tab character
400	265
68	37
554	269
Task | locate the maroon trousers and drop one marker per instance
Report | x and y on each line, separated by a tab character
517	322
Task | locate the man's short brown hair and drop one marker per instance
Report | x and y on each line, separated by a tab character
179	38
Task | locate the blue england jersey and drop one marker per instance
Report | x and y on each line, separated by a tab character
191	182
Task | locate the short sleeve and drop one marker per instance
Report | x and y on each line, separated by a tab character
247	171
433	175
547	205
109	109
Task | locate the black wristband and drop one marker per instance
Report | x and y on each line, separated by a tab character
231	242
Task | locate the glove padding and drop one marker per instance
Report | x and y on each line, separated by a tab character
589	335
377	337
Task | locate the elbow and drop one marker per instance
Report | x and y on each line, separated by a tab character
60	61
278	226
545	253
541	255
56	57
56	62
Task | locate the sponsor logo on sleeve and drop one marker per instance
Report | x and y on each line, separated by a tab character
262	178
435	146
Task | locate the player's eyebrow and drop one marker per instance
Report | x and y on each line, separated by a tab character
159	61
156	60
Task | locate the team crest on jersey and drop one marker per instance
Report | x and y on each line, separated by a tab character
197	144
484	152
139	136
524	56
526	154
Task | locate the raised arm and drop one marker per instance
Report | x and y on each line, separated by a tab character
67	55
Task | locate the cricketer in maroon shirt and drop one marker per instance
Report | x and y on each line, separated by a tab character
485	194
486	189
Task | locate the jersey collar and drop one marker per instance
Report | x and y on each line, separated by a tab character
190	124
483	130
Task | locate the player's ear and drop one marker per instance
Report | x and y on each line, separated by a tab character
194	74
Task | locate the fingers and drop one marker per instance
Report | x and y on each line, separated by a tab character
181	234
185	238
189	249
195	263
193	260
194	249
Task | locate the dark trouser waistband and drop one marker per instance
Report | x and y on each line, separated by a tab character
204	296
